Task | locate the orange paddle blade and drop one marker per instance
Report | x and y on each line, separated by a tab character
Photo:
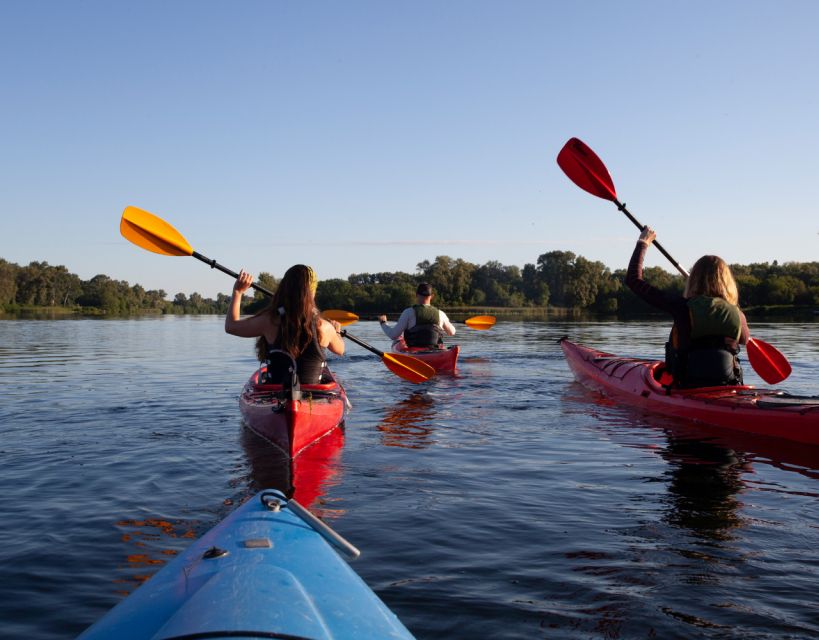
768	361
481	323
407	367
342	317
152	233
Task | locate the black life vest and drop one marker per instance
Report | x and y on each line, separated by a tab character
711	357
426	332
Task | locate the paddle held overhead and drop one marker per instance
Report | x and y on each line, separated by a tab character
587	171
152	233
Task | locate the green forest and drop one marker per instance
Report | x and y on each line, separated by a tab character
557	280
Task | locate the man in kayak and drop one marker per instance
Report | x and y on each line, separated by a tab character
703	348
421	325
289	329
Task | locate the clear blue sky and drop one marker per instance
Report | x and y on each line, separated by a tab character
369	136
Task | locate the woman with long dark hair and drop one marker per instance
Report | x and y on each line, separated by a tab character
289	330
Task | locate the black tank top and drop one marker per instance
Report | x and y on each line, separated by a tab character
309	364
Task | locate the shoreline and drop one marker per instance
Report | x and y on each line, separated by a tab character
784	313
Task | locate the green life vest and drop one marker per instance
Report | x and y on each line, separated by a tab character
714	317
426	314
709	360
426	332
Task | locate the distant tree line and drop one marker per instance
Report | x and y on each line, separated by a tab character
558	279
40	285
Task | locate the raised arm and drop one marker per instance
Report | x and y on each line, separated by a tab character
251	327
634	277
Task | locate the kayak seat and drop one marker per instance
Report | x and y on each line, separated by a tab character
433	348
281	369
326	384
662	375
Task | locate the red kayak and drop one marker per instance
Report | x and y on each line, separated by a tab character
290	424
633	381
443	360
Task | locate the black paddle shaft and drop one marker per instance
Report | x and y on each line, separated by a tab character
361	343
622	207
215	265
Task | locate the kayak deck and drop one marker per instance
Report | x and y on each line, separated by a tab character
265	571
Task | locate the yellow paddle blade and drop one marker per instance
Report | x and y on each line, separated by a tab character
152	233
481	323
407	367
342	317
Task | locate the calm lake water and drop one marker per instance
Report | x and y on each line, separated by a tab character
504	502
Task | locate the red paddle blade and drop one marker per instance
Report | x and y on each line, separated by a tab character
586	170
768	361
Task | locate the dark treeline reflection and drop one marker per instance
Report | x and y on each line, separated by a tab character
704	480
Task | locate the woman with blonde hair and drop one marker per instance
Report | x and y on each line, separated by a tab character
289	331
703	348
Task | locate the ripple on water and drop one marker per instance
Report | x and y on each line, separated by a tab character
503	502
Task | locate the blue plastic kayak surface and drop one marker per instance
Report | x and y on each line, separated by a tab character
279	578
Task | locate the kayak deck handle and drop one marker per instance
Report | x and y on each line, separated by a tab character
275	500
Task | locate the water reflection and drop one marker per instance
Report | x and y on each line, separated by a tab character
751	448
307	478
703	482
152	541
746	448
529	515
408	423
